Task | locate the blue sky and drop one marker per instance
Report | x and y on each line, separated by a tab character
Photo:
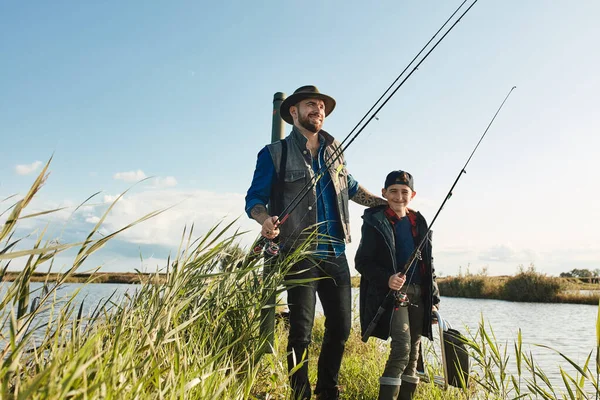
181	92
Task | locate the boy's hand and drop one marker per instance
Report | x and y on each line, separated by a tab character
396	281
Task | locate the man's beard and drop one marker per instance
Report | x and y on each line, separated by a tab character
309	126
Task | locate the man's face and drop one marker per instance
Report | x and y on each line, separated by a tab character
309	114
398	196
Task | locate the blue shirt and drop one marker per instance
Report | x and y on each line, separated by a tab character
327	213
405	245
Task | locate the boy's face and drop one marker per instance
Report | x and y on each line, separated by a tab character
398	196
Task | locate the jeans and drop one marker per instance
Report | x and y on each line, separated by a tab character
334	292
406	328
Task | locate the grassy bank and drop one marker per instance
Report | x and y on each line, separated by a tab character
197	334
361	368
528	285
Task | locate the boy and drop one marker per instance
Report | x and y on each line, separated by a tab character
390	234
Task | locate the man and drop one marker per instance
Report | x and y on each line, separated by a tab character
390	235
283	170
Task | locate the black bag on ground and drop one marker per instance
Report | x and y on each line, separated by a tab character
457	358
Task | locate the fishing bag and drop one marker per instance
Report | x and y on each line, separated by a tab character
457	358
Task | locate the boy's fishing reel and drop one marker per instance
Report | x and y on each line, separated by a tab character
401	299
268	246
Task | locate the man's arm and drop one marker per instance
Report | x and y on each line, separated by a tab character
259	213
260	189
259	193
366	198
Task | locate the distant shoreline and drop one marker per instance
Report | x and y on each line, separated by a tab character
138	277
571	288
96	277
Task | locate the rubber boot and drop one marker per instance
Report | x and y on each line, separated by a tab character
388	392
407	390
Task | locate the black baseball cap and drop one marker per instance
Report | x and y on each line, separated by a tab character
399	178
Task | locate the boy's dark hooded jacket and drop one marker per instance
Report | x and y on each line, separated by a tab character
376	261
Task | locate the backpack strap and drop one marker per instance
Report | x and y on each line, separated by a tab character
277	188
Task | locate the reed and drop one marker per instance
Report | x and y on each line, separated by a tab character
196	334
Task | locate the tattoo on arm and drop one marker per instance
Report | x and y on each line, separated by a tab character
366	198
259	213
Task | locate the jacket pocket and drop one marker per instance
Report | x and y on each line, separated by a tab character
294	182
294	176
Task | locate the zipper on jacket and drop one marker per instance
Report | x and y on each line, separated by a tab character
395	271
394	266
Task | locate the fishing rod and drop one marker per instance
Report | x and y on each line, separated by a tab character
399	297
402	73
271	247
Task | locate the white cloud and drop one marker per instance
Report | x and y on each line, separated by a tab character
498	253
204	209
136	176
166	182
109	198
130	176
87	209
92	219
26	169
200	208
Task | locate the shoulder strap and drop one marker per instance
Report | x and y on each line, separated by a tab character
282	162
277	188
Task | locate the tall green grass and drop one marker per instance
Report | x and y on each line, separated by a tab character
196	335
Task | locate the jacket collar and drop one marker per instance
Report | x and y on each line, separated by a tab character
301	140
379	217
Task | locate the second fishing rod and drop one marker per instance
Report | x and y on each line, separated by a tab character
398	297
272	248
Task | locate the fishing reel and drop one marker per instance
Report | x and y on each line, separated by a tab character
401	299
268	246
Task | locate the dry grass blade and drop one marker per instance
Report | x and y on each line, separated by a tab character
21	204
37	214
8	198
42	250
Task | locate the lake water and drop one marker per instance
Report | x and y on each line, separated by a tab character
568	328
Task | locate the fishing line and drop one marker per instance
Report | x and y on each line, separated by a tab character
339	151
401	297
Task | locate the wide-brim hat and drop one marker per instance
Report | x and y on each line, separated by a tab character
305	92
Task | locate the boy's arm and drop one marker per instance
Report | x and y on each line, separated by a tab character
364	261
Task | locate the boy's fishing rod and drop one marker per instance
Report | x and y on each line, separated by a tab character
401	297
272	248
